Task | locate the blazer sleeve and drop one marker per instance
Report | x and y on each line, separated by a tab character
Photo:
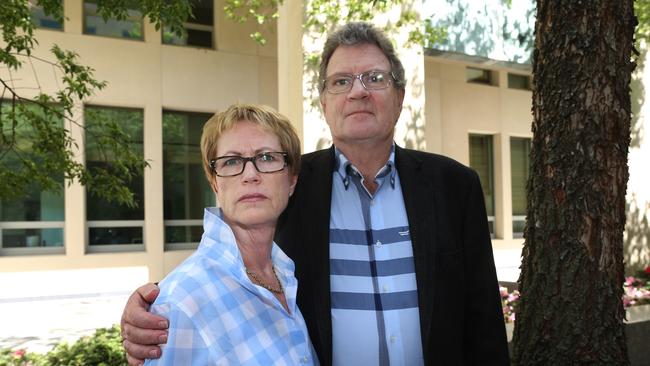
484	335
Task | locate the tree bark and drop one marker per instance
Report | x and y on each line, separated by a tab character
571	312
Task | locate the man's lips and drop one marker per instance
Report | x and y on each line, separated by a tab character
251	197
358	112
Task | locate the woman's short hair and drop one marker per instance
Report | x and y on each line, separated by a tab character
268	118
359	33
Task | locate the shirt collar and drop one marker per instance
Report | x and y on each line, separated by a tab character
345	169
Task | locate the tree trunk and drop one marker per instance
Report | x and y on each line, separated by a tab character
571	312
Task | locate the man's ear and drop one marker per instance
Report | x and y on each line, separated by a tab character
321	97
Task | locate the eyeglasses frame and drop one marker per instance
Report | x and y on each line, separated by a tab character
246	159
359	77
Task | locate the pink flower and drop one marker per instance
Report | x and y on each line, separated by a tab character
19	353
629	281
503	291
627	302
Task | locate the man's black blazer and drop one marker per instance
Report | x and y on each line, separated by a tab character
461	320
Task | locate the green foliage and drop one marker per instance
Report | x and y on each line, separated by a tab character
642	12
19	358
261	11
103	348
172	13
17	31
36	148
324	15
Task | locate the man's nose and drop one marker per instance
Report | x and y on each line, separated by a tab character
358	90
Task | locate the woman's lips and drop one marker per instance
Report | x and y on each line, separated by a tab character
252	197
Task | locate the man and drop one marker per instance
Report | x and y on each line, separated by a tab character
391	246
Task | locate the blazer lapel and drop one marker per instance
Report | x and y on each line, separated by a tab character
419	199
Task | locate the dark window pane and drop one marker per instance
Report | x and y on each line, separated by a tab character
114	235
520	169
199	38
131	121
199	28
203	12
27	220
186	190
26	238
36	206
40	19
518	81
481	160
518	228
131	27
480	76
183	234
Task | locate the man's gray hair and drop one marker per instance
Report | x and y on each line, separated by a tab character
358	33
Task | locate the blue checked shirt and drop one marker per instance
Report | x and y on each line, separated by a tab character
217	316
375	316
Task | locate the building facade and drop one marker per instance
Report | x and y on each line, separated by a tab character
163	88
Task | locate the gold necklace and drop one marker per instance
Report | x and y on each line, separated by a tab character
257	280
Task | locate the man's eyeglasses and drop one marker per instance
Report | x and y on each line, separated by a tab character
371	80
266	162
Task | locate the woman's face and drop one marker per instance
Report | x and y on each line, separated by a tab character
251	199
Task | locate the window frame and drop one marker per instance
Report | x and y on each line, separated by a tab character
84	16
184	222
114	223
491	178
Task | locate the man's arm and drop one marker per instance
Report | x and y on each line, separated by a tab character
142	331
485	335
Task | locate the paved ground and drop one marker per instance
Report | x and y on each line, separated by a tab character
38	325
40	309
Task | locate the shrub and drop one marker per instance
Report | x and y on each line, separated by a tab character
103	348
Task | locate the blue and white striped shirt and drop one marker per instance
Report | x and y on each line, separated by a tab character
375	315
217	316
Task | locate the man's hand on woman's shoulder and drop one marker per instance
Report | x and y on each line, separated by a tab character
142	331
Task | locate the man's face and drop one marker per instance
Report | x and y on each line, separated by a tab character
359	115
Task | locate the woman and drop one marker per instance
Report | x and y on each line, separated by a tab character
233	302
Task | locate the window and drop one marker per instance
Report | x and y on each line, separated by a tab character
185	189
480	76
131	27
481	160
516	81
40	19
520	168
199	27
33	223
115	226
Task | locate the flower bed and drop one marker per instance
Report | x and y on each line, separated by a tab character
636	292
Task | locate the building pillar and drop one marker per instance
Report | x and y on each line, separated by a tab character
290	64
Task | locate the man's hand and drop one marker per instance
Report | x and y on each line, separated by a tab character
141	330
